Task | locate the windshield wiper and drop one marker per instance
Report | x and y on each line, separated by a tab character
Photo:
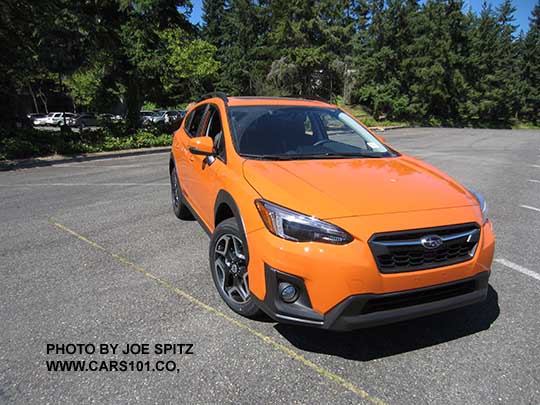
268	157
330	155
326	155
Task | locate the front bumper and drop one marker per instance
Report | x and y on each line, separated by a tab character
369	310
339	280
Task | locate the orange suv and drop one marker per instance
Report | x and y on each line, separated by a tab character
316	220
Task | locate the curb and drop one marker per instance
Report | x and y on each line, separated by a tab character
6	165
383	129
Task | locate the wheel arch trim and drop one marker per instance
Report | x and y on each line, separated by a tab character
224	197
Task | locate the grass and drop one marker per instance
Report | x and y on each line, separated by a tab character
369	120
525	125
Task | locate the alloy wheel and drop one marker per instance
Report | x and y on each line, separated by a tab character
230	267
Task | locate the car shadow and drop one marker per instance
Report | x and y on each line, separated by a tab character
402	337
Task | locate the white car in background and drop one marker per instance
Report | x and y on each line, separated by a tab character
167	116
40	121
147	117
54	119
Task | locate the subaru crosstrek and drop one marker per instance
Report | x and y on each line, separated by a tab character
316	220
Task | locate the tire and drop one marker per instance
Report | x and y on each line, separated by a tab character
180	208
228	264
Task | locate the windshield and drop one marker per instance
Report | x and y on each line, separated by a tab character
294	132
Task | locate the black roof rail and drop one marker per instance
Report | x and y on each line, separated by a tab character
215	94
317	98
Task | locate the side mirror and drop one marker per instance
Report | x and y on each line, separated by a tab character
202	145
382	139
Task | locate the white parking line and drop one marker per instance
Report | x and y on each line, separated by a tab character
530	208
537	166
534	181
519	268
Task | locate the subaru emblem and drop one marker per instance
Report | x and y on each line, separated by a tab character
431	241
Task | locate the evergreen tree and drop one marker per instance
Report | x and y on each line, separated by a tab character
311	43
243	54
531	67
385	70
438	86
493	67
420	60
213	18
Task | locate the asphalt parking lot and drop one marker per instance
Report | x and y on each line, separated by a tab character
91	252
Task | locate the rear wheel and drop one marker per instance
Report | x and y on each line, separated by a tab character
228	263
179	207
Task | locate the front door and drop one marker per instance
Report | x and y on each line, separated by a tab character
184	159
207	171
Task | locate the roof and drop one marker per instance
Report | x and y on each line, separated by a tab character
234	101
262	100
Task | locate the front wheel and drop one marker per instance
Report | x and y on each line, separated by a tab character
228	263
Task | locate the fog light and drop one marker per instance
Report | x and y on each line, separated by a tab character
288	292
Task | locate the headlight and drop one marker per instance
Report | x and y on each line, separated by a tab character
483	204
291	225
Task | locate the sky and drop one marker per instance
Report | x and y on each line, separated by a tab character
523	12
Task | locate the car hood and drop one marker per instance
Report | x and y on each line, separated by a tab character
350	187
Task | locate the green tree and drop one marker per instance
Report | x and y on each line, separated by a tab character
311	43
492	68
143	50
243	52
384	69
436	63
213	18
187	63
531	67
40	42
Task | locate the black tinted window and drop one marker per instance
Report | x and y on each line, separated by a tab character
194	120
214	123
215	130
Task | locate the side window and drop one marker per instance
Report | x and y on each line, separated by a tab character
332	125
194	120
308	126
215	130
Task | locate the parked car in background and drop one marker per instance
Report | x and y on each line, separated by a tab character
167	116
107	117
40	121
34	116
147	117
159	116
57	118
83	120
173	116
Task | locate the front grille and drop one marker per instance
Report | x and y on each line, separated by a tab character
407	299
403	251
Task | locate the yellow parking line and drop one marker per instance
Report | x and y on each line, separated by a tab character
266	339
